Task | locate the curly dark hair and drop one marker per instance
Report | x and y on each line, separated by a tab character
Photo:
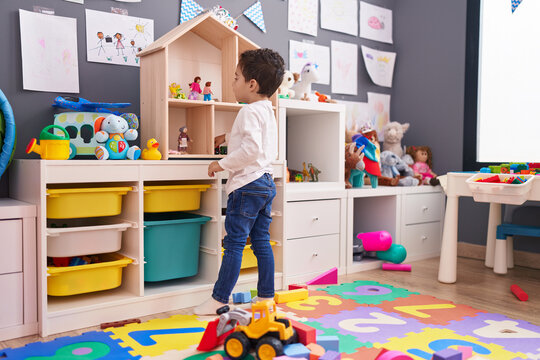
411	150
265	66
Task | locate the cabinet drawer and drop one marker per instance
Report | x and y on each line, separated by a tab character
422	239
312	254
11	246
312	218
11	311
419	208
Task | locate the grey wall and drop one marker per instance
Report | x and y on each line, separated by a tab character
428	91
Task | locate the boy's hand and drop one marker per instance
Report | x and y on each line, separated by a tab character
213	168
218	140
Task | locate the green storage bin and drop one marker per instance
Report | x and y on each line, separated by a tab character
171	245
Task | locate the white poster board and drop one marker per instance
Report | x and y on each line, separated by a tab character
303	16
49	52
340	15
344	68
379	65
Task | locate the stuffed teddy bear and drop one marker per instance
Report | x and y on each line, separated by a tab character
115	131
393	133
302	87
284	89
389	172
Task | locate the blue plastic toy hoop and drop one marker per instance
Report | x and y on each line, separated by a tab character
9	139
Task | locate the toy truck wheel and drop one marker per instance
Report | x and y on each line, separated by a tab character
268	348
237	345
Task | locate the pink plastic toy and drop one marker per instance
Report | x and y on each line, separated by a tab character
329	277
394	355
396	267
376	240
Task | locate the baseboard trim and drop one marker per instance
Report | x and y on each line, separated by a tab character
521	258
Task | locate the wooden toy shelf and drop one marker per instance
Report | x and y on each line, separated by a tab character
29	181
202	47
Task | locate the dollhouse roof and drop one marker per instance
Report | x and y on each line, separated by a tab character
207	27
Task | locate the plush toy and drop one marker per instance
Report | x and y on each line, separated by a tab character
372	166
406	173
354	166
423	163
302	86
389	172
115	132
393	133
284	90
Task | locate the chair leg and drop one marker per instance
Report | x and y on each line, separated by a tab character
499	264
510	252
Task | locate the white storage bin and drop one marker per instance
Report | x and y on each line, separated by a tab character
515	194
76	237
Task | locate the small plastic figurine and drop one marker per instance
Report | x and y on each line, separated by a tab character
183	140
313	172
176	91
423	163
195	88
207	92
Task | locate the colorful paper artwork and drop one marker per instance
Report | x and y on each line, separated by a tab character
340	15
379	112
379	65
116	39
375	23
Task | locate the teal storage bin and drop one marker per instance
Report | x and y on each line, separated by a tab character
171	245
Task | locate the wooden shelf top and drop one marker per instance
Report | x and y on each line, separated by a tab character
218	105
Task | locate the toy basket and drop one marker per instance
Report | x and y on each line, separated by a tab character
170	198
515	194
72	280
171	245
85	202
77	237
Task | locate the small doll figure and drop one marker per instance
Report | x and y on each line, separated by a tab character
183	140
207	92
423	164
195	89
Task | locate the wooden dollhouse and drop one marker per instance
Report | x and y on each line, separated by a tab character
204	47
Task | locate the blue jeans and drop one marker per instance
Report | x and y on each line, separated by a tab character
248	214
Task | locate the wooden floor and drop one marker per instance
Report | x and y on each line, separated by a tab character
476	286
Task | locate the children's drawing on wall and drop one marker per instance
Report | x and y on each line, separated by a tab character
301	53
375	23
116	39
303	16
49	52
344	68
379	65
340	15
357	115
379	112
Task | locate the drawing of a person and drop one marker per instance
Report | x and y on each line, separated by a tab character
100	42
133	47
119	45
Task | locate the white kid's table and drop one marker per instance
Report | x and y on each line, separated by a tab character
456	187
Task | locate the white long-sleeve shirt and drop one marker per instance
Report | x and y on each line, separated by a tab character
251	146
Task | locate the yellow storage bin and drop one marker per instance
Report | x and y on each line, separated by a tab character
72	280
85	202
249	260
168	198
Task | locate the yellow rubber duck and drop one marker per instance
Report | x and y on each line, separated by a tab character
151	152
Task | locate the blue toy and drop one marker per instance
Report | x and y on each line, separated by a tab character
7	133
80	104
115	131
372	168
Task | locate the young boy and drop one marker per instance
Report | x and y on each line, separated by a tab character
252	146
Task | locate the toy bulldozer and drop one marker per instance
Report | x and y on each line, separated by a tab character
267	333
